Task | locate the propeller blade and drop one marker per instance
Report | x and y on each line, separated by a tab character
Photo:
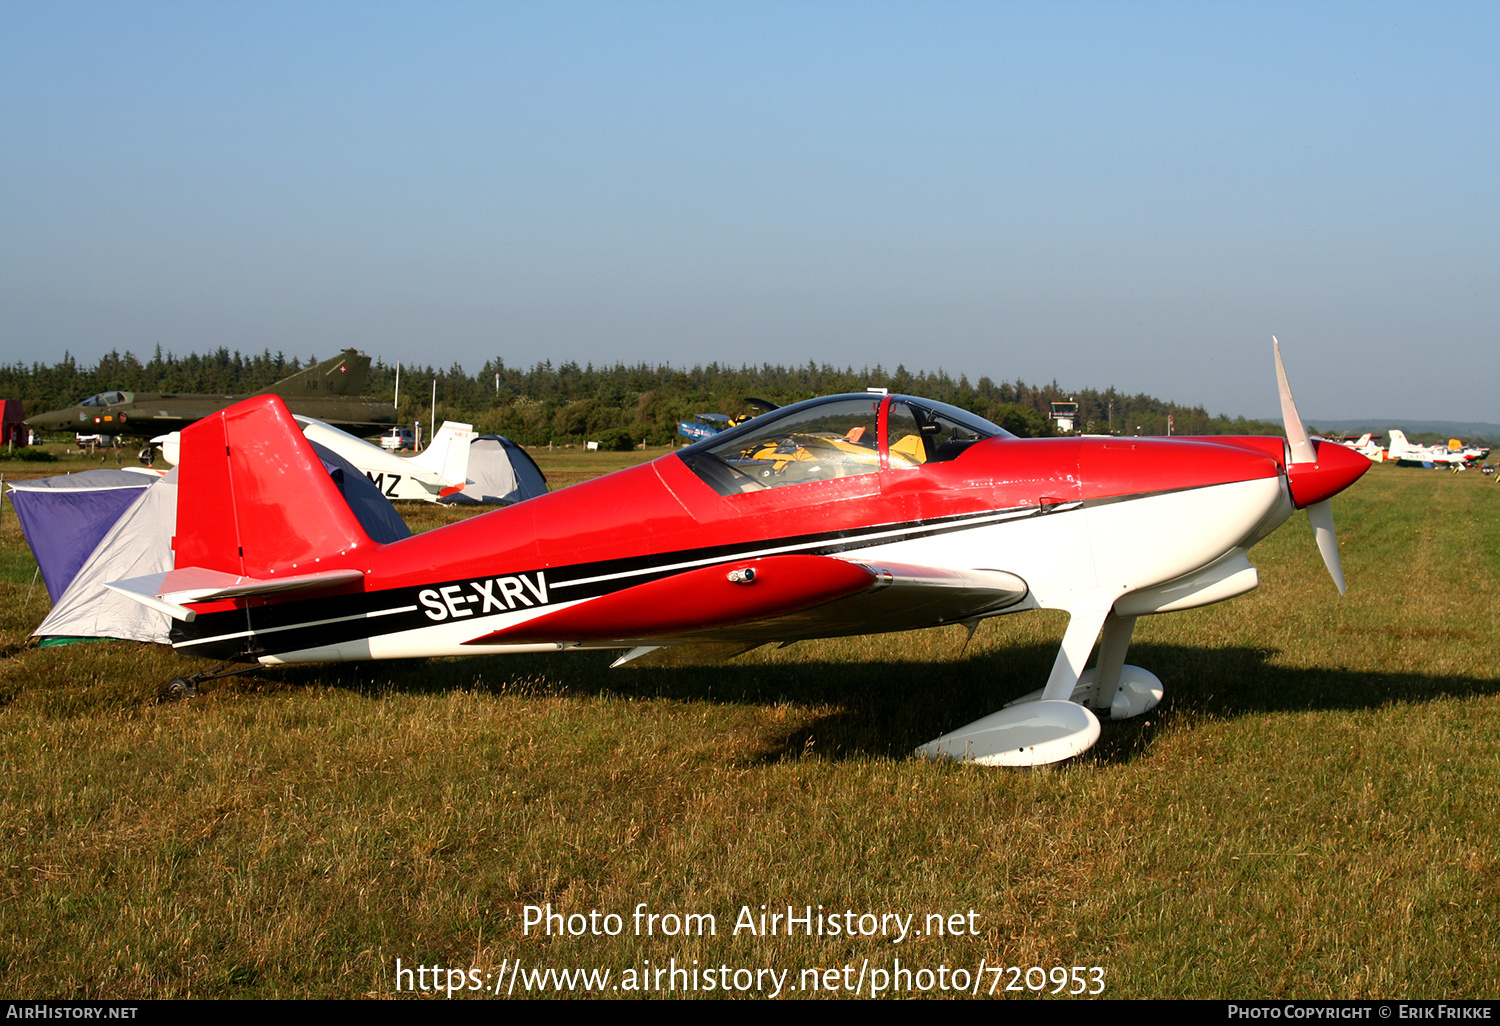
1296	431
1320	515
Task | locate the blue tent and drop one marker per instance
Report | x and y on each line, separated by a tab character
64	518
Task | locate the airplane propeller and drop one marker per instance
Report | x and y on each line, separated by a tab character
1320	513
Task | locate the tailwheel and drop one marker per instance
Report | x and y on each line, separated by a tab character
178	688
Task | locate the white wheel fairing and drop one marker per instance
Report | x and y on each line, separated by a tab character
1138	691
1031	734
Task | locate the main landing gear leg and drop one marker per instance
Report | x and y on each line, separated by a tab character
1032	733
1112	685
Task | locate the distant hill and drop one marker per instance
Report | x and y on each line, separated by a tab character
1469	431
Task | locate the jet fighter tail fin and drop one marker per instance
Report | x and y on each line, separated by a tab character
344	374
253	498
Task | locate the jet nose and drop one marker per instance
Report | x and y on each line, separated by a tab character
1337	468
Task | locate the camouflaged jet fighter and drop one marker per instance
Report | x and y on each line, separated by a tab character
328	391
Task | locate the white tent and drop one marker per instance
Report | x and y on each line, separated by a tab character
138	544
500	473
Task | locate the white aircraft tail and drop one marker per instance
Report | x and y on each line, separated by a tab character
448	455
1399	446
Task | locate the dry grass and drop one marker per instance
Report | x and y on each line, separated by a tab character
1311	813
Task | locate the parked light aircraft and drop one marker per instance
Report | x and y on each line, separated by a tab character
1367	447
849	514
706	425
437	472
1409	452
328	390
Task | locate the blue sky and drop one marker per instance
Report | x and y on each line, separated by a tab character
1126	194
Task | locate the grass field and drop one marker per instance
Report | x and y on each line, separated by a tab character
1311	813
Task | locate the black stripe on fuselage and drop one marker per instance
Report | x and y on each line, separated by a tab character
289	626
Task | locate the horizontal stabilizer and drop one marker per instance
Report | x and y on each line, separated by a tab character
168	591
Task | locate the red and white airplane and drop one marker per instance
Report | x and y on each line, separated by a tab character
850	514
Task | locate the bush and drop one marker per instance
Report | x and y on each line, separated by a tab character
616	440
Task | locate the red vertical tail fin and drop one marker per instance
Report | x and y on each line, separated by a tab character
253	498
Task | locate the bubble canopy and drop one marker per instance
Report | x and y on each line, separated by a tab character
109	399
834	437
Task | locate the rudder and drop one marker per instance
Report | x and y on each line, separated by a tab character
253	498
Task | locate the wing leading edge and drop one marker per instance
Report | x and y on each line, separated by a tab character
775	598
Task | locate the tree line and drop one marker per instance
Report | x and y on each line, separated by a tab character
568	403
